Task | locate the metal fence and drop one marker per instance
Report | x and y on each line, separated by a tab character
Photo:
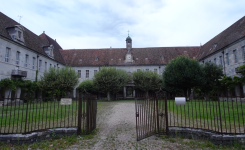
220	114
17	116
156	112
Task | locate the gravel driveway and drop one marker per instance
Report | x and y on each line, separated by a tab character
116	130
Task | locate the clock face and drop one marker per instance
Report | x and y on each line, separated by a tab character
129	57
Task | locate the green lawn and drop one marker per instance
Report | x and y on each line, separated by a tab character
40	115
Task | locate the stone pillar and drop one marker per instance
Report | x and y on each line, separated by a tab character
237	90
134	93
124	92
7	96
17	93
74	92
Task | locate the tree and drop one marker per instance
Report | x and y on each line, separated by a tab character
212	75
182	73
146	80
89	86
59	81
110	80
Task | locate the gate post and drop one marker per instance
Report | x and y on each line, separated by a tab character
79	114
166	114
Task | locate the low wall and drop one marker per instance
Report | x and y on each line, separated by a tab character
37	136
215	138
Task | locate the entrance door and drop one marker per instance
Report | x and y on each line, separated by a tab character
151	114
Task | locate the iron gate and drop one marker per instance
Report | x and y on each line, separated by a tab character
151	114
87	110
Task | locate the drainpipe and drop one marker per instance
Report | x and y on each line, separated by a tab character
224	61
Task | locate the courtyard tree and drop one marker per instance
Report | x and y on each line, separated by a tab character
59	81
212	76
89	86
110	80
147	80
183	73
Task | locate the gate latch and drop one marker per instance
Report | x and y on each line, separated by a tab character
137	114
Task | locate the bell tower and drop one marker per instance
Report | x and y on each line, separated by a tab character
129	43
128	56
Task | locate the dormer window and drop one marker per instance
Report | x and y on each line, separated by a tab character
19	34
49	50
16	33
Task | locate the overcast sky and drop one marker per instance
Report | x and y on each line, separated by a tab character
104	23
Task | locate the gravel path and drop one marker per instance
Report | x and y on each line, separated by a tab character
116	130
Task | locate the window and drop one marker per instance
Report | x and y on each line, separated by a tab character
45	66
80	59
162	57
33	62
235	56
146	69
40	64
220	60
17	58
87	73
7	54
138	69
96	59
215	60
209	61
79	73
146	58
227	58
95	71
19	34
26	60
54	67
50	66
155	70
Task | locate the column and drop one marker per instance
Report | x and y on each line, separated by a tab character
74	92
7	96
124	92
17	93
237	90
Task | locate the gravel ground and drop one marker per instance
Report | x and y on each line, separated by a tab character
116	130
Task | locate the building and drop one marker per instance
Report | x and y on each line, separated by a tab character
22	53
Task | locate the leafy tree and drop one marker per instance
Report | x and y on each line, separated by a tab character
146	80
89	86
7	84
182	73
59	81
212	75
110	80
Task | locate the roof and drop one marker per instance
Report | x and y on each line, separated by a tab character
32	41
128	38
116	56
233	33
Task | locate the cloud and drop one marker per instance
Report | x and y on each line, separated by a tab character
152	23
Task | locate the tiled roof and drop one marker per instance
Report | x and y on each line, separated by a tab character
233	33
116	56
57	55
32	40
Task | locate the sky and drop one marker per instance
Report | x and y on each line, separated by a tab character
91	24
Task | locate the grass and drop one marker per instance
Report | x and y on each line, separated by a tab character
231	115
40	115
55	143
